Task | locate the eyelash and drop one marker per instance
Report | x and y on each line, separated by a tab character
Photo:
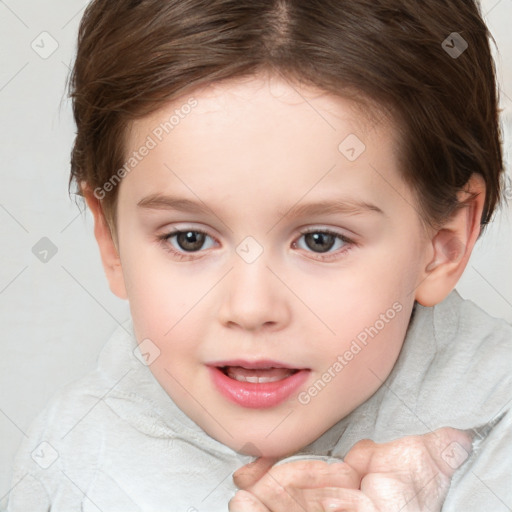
164	239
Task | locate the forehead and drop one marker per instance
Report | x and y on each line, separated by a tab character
266	98
273	88
266	134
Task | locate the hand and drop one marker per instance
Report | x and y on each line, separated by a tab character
301	485
411	474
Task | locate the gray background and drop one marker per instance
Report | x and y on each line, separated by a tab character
57	314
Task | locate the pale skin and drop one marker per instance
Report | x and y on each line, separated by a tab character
411	474
251	151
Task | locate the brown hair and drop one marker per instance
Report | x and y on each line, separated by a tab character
135	55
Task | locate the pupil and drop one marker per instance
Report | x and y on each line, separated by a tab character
190	240
321	241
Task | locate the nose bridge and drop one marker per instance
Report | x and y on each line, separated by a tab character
253	296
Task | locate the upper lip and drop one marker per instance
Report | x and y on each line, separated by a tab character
253	365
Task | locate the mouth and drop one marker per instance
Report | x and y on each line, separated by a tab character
257	376
256	385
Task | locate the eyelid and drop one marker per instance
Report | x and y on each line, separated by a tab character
164	240
325	228
347	240
168	231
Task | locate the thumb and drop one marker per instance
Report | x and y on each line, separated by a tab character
360	456
249	474
449	448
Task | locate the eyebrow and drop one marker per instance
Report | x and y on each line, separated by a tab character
162	202
343	206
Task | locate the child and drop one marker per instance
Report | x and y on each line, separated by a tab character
287	193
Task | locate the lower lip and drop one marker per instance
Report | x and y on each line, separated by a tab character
257	395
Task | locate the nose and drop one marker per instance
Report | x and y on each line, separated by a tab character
253	298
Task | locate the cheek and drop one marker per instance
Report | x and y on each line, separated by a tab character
363	312
349	299
370	338
168	304
357	365
158	294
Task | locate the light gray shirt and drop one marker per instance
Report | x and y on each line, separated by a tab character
114	441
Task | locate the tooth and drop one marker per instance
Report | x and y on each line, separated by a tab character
256	379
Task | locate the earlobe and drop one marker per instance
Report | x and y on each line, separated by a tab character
108	250
452	245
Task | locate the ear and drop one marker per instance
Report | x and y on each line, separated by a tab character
108	250
452	245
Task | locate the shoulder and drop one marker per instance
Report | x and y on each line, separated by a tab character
484	481
68	433
468	335
456	315
67	408
80	407
69	404
59	440
454	369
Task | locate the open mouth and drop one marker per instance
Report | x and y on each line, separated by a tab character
257	376
258	385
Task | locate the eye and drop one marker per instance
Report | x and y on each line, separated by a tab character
321	241
184	244
186	241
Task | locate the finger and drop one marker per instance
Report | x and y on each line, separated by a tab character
389	492
336	499
394	492
349	500
360	456
449	448
414	470
249	474
310	474
283	487
244	501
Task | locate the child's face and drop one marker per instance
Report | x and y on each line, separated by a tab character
333	312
